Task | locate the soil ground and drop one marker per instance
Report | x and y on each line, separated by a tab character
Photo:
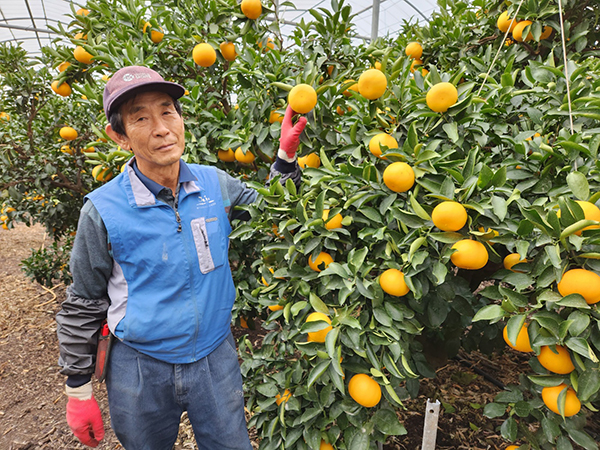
32	402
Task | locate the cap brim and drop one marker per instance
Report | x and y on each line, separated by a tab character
173	89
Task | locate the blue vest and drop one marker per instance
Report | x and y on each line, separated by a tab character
171	288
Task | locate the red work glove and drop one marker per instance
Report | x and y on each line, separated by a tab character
290	135
83	415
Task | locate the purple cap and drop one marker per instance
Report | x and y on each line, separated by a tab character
131	78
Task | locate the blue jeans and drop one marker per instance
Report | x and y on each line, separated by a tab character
147	397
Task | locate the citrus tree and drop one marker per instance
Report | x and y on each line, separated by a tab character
448	196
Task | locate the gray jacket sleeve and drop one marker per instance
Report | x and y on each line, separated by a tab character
87	301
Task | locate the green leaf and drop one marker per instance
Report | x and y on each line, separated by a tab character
360	441
489	312
588	384
318	304
582	347
451	131
494	410
579	185
509	429
317	371
387	422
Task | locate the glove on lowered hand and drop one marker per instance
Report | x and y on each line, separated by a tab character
290	135
83	415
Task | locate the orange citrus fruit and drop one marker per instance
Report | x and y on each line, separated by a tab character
63	66
550	398
252	9
364	390
416	62
559	362
64	90
372	84
101	173
318	336
517	32
583	282
275	307
155	35
204	55
302	98
82	12
82	55
270	44
325	446
228	50
322	258
353	87
392	282
247	158
283	398
414	50
504	22
469	254
226	155
274	116
512	447
310	160
546	32
522	344
381	139
511	260
449	216
590	212
67	149
243	322
68	133
335	222
399	177
441	97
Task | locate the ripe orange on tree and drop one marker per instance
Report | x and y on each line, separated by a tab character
82	55
283	398
63	66
399	177
550	398
275	307
68	133
226	155
252	9
416	62
310	160
583	282
101	173
517	32
523	344
335	222
511	260
469	254
155	35
364	390
247	158
512	447
318	336
381	139
441	97
228	50
4	116
64	90
504	22
559	362
322	258
325	446
449	216
352	87
392	282
274	116
590	212
302	98
414	50
546	32
204	54
372	84
270	44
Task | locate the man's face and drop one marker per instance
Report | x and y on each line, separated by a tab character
155	131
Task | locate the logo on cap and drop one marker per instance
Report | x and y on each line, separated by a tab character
127	77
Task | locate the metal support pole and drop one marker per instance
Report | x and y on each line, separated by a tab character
375	20
432	414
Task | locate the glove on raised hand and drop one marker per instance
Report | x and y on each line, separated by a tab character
290	135
84	416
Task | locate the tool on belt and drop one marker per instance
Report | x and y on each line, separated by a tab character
104	343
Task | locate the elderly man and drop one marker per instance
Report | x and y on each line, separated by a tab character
151	257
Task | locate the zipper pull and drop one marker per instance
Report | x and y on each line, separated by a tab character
178	221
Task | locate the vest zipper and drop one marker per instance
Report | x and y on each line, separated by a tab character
177	211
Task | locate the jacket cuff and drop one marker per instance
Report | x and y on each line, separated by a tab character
75	381
283	166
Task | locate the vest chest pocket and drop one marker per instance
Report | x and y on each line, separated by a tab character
210	244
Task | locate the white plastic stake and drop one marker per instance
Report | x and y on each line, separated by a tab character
432	414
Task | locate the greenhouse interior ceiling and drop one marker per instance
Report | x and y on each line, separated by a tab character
29	21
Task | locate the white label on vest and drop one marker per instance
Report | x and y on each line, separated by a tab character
202	247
